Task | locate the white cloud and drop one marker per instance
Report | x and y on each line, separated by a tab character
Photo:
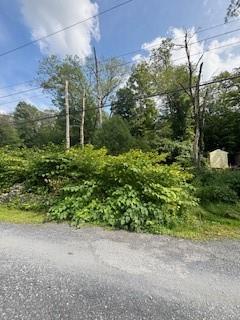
137	58
46	16
215	61
153	44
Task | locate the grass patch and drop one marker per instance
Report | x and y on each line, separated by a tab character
210	223
11	215
213	221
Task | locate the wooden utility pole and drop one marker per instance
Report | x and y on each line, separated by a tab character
99	104
82	120
67	116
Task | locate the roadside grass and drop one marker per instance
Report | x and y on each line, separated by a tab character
11	215
209	223
213	221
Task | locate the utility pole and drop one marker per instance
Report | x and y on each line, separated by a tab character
67	116
99	104
82	120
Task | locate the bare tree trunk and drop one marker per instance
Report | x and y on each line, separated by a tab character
82	119
202	123
194	94
99	99
197	116
196	146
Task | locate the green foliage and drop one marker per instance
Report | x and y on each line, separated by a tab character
54	169
52	74
32	131
177	151
12	215
114	135
8	133
223	115
218	185
141	114
24	114
133	191
13	167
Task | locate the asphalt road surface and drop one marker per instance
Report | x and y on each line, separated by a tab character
52	272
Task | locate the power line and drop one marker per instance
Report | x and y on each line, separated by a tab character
20	92
132	62
187	88
126	63
215	36
164	93
211	49
42	119
156	45
195	54
123	64
139	50
158	94
123	54
17	100
65	28
17	84
216	26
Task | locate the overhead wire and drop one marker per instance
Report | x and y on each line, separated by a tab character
142	49
20	92
159	43
157	94
132	62
19	99
26	44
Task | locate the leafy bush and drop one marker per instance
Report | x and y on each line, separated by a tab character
115	135
218	185
53	170
178	151
133	191
217	193
13	167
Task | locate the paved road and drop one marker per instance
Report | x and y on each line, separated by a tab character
52	272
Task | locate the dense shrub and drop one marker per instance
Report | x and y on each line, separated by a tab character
114	135
218	185
133	191
55	169
13	167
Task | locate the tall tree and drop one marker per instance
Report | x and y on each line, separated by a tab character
25	116
134	105
105	77
169	78
32	130
114	135
8	132
52	74
223	115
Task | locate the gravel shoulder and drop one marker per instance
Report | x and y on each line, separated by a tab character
53	272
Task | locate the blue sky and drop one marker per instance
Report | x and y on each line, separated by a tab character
124	29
